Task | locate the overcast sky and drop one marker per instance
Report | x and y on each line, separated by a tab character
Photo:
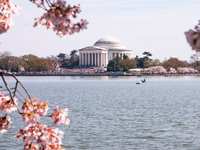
157	26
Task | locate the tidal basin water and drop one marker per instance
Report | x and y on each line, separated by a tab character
114	113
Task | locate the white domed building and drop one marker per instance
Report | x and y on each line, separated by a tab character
102	52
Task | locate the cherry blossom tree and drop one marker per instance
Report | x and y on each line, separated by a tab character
61	17
193	37
58	16
35	135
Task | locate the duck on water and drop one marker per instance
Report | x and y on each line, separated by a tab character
142	81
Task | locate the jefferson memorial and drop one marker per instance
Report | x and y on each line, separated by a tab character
102	52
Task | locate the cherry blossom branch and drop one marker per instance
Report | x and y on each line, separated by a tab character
9	91
5	73
58	15
15	88
48	3
35	135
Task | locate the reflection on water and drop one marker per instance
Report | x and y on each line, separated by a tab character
115	113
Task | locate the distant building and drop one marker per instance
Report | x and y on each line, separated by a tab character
102	52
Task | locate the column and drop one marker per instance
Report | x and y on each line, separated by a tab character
99	59
105	59
113	55
96	62
83	59
96	55
82	63
103	64
80	59
88	59
102	59
92	59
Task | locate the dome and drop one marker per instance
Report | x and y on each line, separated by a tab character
109	43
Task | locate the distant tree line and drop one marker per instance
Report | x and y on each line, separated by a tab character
28	63
145	61
33	63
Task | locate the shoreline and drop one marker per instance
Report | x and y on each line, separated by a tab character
103	74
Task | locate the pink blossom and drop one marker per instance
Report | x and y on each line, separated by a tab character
59	17
7	104
185	70
7	9
172	71
44	137
31	146
60	116
33	109
155	70
5	123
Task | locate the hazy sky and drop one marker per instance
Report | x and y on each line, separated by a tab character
141	25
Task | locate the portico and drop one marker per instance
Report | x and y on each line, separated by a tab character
93	57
